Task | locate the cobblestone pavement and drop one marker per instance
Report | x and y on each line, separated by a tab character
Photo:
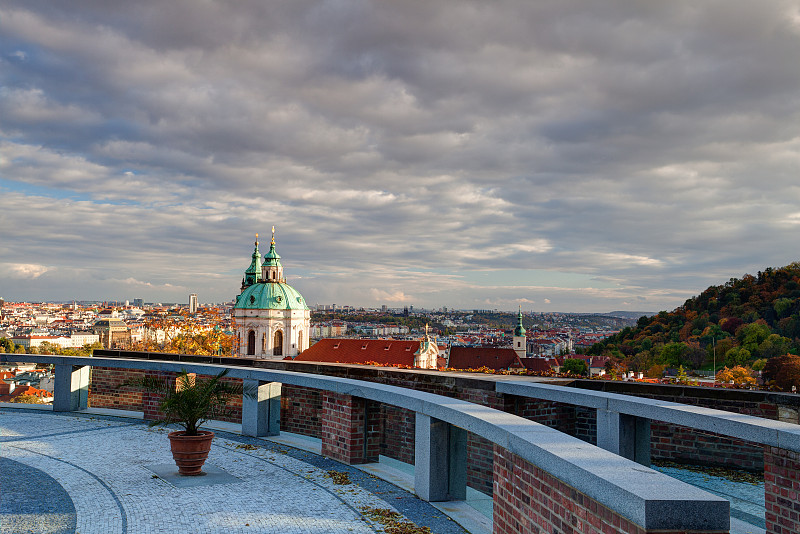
90	474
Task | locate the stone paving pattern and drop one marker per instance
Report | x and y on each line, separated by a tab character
32	501
99	466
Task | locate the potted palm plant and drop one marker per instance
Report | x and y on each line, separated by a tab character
189	403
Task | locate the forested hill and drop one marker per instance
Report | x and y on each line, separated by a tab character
748	320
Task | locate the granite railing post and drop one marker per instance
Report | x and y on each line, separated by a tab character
623	434
261	410
71	388
440	460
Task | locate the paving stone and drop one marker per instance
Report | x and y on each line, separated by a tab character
102	464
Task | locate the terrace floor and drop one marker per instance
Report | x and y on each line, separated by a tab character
95	473
82	473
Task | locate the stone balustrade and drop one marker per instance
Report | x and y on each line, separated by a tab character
543	478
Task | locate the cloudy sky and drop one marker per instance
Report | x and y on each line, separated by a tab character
567	155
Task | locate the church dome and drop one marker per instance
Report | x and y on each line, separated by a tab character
270	296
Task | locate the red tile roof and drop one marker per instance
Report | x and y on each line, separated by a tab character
382	351
25	390
477	357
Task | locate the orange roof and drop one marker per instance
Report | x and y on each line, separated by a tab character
382	351
477	357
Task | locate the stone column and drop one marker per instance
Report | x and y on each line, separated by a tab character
70	388
440	460
623	434
261	412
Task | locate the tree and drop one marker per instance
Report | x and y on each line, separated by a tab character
673	354
738	375
575	367
695	355
27	399
781	306
752	335
783	372
773	346
737	356
6	345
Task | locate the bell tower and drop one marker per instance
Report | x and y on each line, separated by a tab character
520	339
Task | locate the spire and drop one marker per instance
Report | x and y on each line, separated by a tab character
252	272
272	270
519	330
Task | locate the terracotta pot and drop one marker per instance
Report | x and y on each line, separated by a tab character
190	452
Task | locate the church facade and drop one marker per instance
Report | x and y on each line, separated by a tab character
270	318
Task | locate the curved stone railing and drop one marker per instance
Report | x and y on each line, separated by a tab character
612	434
543	478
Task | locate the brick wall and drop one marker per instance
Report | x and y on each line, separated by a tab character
105	391
530	500
685	445
349	428
689	446
782	490
397	432
300	410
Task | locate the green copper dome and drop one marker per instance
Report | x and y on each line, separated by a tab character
270	296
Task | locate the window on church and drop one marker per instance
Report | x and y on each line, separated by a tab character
277	346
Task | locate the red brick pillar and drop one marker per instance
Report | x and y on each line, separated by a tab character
782	490
350	430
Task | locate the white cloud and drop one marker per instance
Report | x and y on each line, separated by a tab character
28	271
650	144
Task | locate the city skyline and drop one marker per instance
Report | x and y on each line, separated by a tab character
567	157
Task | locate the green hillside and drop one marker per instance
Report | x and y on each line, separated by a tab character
745	322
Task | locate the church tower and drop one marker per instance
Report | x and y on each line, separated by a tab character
427	355
270	318
520	340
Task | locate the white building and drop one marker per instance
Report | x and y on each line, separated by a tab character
193	303
270	318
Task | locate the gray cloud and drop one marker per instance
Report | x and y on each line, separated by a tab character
649	148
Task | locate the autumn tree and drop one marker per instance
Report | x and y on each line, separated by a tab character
738	375
783	372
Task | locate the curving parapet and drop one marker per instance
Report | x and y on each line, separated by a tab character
543	479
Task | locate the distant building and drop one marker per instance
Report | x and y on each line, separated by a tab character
112	332
422	354
270	318
138	303
193	303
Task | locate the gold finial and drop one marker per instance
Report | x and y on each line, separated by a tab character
256	238
273	235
